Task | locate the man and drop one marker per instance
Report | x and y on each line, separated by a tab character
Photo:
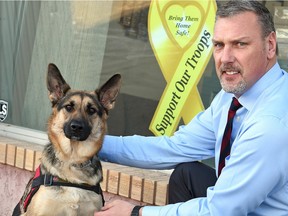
252	178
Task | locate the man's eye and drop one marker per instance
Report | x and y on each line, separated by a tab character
218	45
68	108
241	44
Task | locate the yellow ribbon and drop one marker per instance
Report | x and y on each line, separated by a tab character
180	34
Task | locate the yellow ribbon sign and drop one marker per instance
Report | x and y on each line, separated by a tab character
180	33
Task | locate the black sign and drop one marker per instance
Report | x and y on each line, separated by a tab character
3	110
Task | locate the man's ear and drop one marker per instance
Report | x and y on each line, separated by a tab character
108	92
272	45
56	85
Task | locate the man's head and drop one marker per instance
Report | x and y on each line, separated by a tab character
244	44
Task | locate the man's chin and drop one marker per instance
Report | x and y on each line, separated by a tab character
234	90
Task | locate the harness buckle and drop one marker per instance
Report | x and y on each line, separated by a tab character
48	180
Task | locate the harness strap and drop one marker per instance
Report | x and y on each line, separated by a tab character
32	191
50	180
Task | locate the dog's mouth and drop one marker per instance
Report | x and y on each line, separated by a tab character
76	138
77	130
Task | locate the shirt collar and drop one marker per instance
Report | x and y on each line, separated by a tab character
248	98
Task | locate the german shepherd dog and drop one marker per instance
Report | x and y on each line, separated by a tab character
67	182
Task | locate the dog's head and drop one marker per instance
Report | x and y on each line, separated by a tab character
78	122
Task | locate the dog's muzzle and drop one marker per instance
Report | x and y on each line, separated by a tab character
77	130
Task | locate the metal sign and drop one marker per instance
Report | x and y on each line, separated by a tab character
3	110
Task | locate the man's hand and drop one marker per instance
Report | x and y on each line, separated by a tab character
116	208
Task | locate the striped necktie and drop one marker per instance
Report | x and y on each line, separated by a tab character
225	146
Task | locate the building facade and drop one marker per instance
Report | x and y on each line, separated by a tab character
90	41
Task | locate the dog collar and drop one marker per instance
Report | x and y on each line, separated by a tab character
94	162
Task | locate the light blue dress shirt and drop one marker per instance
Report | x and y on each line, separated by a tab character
254	180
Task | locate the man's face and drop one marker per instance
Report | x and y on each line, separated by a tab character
241	54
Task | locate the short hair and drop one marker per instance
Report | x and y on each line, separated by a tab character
234	7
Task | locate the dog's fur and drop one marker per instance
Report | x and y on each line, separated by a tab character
76	130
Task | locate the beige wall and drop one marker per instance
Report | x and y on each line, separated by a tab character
12	184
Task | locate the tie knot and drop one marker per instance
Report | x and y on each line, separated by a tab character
235	105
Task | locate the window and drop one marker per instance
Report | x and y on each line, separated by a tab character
90	41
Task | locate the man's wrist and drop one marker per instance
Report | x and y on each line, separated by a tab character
136	211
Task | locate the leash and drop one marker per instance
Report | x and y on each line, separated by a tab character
50	180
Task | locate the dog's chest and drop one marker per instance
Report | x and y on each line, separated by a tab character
64	201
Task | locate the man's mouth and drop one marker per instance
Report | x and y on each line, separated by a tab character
229	69
231	72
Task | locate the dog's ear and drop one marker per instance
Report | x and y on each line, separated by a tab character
108	92
56	85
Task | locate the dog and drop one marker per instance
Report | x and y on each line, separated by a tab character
67	182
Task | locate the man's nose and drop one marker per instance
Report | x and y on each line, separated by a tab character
227	55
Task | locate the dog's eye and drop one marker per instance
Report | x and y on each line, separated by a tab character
91	110
69	108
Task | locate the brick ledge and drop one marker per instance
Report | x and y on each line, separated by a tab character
147	186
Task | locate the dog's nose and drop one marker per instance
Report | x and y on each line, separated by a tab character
76	126
77	130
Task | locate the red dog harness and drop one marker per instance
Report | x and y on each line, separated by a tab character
50	180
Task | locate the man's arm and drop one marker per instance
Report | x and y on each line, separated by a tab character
256	169
195	141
